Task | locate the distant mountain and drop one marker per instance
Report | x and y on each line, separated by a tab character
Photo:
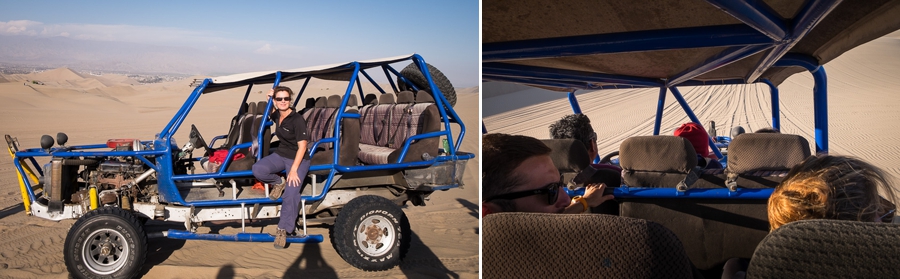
56	52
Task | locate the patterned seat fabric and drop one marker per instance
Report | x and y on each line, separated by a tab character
569	156
656	161
320	121
761	160
385	127
828	249
540	245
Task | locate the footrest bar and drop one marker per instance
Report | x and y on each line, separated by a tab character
241	237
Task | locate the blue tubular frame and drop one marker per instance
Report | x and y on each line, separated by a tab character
573	102
679	38
299	93
820	95
660	104
762	29
808	17
535	72
776	109
722	59
693	117
756	14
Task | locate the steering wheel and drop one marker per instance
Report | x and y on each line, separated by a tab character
197	141
608	158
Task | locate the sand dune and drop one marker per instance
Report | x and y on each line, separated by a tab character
864	107
92	109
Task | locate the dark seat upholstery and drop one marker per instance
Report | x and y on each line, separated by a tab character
538	245
828	249
568	155
712	230
349	140
656	161
762	160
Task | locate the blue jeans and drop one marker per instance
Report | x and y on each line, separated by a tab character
267	170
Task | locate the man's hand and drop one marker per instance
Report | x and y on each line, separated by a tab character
293	180
271	93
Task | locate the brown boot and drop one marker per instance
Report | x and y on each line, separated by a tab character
277	190
280	239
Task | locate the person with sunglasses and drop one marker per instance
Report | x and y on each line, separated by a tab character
519	176
291	155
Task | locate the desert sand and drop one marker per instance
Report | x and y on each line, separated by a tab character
92	109
863	107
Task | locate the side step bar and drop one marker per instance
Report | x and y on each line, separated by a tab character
241	237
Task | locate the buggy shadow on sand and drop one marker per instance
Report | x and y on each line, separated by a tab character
370	154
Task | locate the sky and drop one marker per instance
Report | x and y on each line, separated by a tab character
282	34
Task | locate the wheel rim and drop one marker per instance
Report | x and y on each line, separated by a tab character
375	235
105	251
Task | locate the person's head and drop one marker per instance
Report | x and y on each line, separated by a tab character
519	176
698	137
831	187
576	126
282	98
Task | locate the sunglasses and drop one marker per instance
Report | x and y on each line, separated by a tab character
551	190
283	99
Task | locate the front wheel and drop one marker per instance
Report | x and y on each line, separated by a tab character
106	243
371	233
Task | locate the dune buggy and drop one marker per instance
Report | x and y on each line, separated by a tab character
370	154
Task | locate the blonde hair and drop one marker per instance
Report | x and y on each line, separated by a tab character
830	187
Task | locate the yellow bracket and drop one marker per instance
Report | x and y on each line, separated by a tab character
13	147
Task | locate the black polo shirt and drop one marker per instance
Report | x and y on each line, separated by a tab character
291	131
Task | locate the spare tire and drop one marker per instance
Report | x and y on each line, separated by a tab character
412	73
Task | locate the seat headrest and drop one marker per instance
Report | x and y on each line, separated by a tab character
424	97
310	102
251	108
334	101
370	99
751	152
386	98
828	249
668	154
568	155
321	102
261	107
406	97
352	102
546	245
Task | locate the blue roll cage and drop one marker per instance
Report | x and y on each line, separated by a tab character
762	29
164	148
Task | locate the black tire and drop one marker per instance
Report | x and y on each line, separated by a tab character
106	230
371	233
412	73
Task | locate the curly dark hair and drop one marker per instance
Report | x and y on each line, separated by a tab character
574	126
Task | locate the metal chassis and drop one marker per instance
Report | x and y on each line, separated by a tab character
761	30
163	148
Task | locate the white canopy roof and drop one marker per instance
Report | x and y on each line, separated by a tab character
340	71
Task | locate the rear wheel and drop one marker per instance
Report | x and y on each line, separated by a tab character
412	73
106	243
371	233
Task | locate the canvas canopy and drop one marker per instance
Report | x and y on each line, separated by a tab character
556	44
341	71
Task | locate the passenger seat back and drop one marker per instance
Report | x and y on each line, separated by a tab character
762	160
828	249
543	245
